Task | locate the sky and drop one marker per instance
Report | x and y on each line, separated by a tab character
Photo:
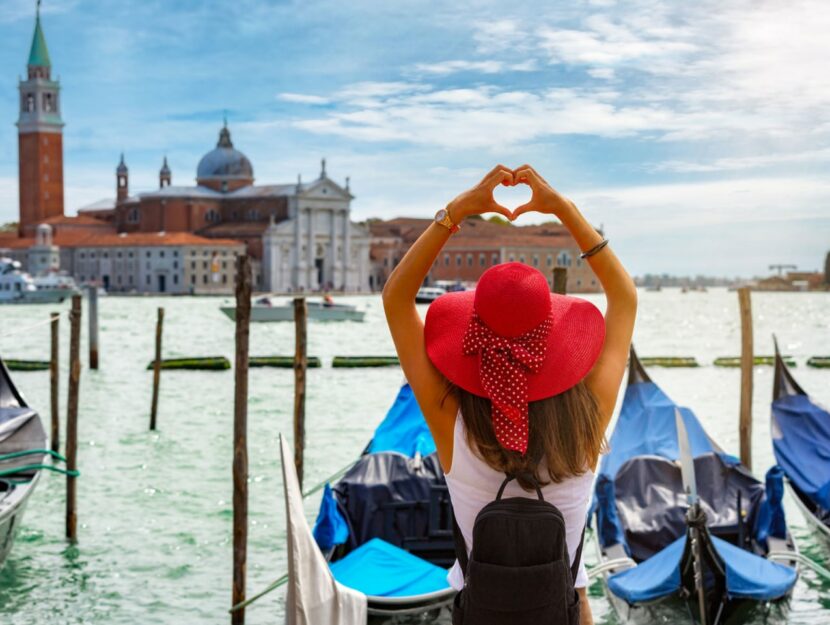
695	133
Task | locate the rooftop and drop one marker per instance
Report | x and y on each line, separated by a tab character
39	53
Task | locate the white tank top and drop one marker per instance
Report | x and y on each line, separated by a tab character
473	484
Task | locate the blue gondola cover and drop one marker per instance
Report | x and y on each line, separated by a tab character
379	569
404	429
331	528
771	520
747	575
801	441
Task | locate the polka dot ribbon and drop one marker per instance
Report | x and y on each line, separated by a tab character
504	365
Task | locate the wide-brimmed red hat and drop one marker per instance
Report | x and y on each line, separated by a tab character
513	341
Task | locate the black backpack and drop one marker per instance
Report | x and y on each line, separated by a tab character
518	571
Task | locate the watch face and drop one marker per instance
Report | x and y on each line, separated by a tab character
441	215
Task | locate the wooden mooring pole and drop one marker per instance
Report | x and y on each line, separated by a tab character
560	280
72	417
92	295
156	369
54	385
300	367
240	437
747	363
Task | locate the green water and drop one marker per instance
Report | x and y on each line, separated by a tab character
155	508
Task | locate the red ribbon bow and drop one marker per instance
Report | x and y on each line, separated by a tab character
504	365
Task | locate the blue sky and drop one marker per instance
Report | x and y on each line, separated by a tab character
697	135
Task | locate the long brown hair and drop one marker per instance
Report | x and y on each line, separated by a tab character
565	432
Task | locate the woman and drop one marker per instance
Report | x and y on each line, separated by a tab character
539	410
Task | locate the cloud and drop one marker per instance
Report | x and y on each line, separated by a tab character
745	162
499	35
303	98
445	68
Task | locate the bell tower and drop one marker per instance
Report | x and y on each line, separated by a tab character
40	139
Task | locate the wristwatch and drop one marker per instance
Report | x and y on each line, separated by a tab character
442	217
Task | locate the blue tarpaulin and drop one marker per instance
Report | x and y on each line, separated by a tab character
747	575
404	429
801	441
378	569
771	520
331	528
646	427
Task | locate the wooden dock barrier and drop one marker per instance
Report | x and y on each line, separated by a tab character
560	280
282	362
16	364
72	418
54	384
156	368
364	361
300	366
240	436
745	428
669	361
92	295
198	363
735	361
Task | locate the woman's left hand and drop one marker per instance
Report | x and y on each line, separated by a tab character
480	199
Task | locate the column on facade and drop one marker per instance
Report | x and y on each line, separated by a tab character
295	269
347	251
310	271
332	256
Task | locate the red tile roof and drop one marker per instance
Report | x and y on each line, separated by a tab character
137	239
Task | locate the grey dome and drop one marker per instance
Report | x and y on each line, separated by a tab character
224	162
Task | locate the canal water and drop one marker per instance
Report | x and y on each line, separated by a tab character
155	508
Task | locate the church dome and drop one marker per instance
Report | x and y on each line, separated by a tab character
224	163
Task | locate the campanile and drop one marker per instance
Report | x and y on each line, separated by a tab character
40	139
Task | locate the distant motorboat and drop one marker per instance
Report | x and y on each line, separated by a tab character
56	280
263	310
428	294
18	287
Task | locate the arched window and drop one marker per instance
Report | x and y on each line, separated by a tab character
47	102
469	260
563	259
30	102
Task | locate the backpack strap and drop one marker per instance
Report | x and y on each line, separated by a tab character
510	478
460	546
575	565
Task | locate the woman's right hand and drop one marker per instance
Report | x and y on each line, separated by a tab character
480	199
545	198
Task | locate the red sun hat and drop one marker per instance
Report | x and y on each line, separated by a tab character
513	341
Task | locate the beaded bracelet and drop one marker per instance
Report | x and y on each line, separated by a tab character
594	249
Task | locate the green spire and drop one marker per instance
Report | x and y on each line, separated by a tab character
39	54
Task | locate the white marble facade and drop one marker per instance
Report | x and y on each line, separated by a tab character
318	247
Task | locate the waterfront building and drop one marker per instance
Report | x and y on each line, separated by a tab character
299	235
479	245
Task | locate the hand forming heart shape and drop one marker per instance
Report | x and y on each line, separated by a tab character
481	198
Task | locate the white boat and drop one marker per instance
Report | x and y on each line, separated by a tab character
18	287
56	280
263	310
428	294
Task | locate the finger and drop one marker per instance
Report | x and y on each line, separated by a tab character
504	176
527	175
524	208
495	207
493	172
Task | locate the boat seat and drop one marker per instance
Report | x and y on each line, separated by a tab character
436	545
651	503
379	569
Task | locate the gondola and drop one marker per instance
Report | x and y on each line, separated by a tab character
682	528
383	532
22	440
800	431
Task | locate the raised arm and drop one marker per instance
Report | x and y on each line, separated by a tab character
405	323
620	293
